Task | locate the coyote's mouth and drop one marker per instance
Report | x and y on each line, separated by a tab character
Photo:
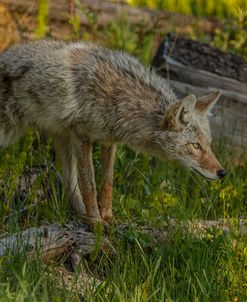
208	178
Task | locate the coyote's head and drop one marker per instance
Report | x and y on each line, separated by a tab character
188	137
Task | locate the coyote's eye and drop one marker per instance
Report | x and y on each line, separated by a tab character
196	146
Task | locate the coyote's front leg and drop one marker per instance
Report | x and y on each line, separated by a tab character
105	198
87	179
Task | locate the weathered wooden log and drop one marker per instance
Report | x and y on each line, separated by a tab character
75	239
198	77
51	241
229	119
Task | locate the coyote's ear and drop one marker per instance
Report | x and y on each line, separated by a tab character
205	103
178	114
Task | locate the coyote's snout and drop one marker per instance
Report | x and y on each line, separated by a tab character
81	93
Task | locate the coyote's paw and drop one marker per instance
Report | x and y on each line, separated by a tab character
106	214
98	224
111	220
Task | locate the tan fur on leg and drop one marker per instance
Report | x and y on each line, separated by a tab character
105	198
87	179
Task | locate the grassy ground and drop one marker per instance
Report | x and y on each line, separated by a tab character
146	192
185	268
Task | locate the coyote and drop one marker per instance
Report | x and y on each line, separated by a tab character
81	93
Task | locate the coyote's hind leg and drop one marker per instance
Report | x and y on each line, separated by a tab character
105	198
66	151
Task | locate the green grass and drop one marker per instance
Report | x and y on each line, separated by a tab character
42	16
183	268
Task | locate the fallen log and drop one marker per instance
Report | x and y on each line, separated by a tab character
76	240
51	241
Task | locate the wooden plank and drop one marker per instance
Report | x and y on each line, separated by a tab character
230	98
186	74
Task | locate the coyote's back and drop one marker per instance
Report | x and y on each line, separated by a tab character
49	83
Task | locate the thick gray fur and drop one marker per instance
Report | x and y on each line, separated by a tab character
81	93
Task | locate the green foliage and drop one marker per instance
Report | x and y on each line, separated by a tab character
43	11
136	39
121	34
220	8
233	36
92	23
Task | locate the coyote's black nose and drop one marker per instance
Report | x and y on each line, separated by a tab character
221	173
